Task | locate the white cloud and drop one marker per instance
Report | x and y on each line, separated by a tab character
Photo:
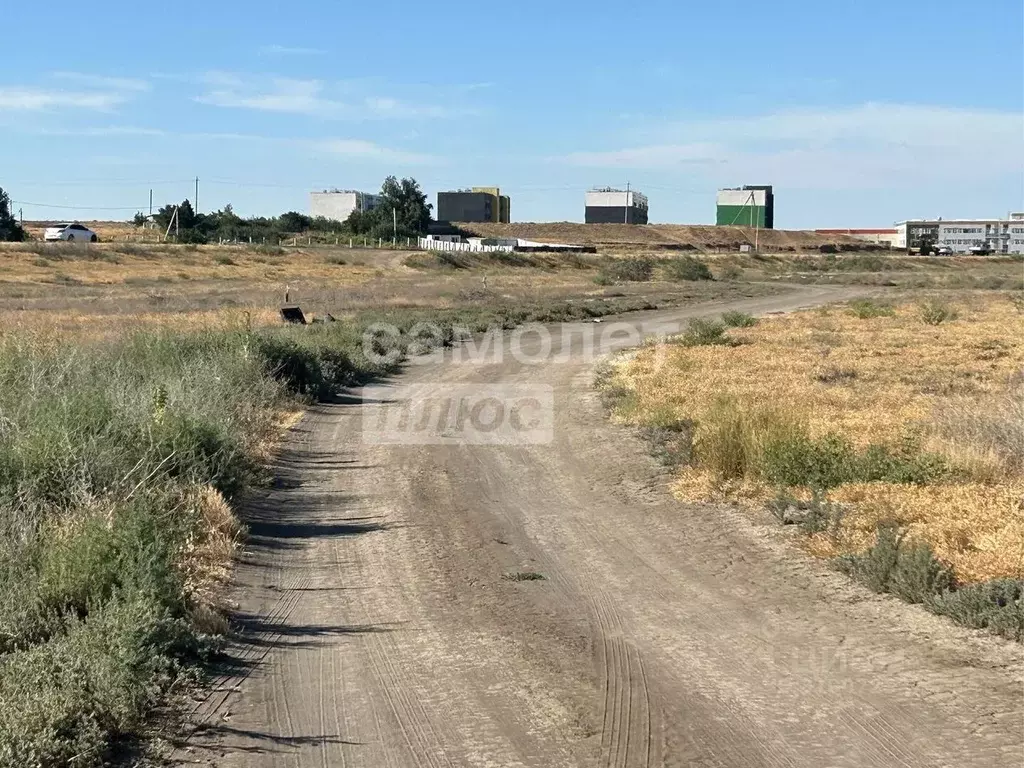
860	146
104	131
307	97
279	95
367	150
26	99
103	82
287	50
388	107
78	91
652	156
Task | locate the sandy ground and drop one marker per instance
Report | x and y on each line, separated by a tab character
378	628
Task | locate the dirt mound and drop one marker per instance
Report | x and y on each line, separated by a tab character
669	236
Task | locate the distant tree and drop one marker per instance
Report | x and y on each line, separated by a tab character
293	221
403	206
186	216
358	222
10	229
139	219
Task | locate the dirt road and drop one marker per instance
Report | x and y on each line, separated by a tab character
380	628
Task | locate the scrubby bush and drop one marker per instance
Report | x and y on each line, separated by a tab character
734	319
910	570
702	332
797	460
892	564
935	312
635	270
996	605
866	309
730	272
686	268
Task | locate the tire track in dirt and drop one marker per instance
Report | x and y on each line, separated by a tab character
664	635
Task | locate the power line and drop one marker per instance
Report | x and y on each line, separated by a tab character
81	207
95	182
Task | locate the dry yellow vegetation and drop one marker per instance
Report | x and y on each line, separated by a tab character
954	388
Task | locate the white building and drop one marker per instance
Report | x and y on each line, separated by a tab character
965	235
338	204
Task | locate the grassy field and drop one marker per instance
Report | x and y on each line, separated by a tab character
141	390
142	387
867	424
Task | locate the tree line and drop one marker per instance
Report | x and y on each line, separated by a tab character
402	211
10	230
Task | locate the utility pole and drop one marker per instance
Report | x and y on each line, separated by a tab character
197	195
757	220
151	202
625	213
394	219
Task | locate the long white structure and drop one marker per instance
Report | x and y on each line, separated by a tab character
485	244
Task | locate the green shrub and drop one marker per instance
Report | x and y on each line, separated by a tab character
796	460
734	319
904	463
891	564
64	702
934	312
866	309
702	332
634	270
686	268
910	570
996	605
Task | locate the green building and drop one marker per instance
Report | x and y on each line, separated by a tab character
752	206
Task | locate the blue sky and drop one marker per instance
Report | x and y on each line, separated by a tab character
859	113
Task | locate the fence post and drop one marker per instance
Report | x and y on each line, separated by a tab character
380	242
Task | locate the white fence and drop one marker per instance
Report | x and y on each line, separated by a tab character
430	244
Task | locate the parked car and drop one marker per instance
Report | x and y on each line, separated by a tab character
70	232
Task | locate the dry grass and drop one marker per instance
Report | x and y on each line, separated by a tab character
206	557
112	264
954	387
106	290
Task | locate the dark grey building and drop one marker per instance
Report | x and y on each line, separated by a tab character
479	205
615	206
